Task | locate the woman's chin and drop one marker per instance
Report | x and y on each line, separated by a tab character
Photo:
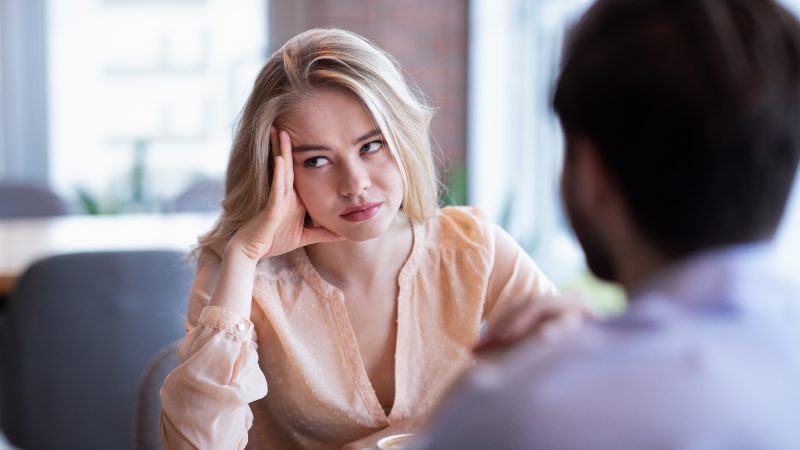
363	231
361	235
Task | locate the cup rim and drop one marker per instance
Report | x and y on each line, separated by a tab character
392	437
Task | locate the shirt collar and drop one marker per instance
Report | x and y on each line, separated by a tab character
731	274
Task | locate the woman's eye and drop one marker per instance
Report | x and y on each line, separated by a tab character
371	147
317	161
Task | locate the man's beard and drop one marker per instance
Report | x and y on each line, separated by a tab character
598	256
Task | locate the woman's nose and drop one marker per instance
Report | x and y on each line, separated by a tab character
354	179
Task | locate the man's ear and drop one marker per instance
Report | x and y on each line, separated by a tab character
592	184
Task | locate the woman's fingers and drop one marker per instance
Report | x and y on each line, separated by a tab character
315	235
283	176
511	327
274	146
563	325
278	179
548	318
286	153
285	199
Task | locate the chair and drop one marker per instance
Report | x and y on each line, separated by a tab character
202	196
82	328
29	200
148	403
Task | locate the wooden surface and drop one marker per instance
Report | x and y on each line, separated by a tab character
24	241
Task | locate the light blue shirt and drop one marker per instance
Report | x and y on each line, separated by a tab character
706	357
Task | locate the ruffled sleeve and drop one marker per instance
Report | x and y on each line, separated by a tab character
205	401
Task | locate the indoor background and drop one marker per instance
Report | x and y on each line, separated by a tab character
121	105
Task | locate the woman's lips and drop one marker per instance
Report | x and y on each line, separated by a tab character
361	212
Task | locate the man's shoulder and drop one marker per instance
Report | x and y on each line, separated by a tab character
665	348
627	375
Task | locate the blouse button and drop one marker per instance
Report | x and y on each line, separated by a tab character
240	327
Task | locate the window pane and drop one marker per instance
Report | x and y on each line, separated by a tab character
144	94
515	141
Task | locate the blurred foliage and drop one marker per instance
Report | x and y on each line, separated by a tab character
455	189
112	202
88	202
132	198
91	204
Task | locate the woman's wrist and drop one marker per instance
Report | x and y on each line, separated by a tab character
234	288
243	253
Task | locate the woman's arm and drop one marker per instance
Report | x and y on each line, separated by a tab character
522	301
205	401
279	228
515	278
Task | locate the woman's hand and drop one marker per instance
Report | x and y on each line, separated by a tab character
548	317
280	227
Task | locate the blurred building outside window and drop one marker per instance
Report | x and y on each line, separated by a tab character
143	95
515	142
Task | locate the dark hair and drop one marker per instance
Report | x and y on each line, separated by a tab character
694	109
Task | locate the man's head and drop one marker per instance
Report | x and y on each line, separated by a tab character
692	109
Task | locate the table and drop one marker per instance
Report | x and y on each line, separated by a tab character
24	241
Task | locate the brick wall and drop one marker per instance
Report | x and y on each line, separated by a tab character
427	37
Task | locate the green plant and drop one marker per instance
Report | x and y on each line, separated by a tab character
455	189
608	299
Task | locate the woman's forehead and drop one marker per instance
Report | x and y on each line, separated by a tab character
327	113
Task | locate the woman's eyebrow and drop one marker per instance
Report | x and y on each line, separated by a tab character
374	132
309	148
319	147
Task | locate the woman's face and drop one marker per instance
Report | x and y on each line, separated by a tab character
343	171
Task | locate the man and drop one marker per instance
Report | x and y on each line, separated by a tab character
682	127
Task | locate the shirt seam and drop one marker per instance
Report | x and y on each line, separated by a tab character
238	338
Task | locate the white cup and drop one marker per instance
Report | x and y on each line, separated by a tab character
395	441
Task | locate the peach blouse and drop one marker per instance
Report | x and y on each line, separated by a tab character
299	338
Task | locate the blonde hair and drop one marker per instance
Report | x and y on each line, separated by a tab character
327	58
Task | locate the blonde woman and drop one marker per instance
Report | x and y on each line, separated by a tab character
332	275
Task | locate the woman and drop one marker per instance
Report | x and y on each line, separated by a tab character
332	274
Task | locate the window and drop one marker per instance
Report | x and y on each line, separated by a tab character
143	95
515	49
515	142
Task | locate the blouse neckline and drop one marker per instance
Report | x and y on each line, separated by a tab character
300	261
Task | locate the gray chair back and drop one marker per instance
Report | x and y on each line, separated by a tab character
82	328
29	200
146	419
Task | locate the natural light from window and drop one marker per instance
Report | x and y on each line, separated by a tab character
515	142
144	95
